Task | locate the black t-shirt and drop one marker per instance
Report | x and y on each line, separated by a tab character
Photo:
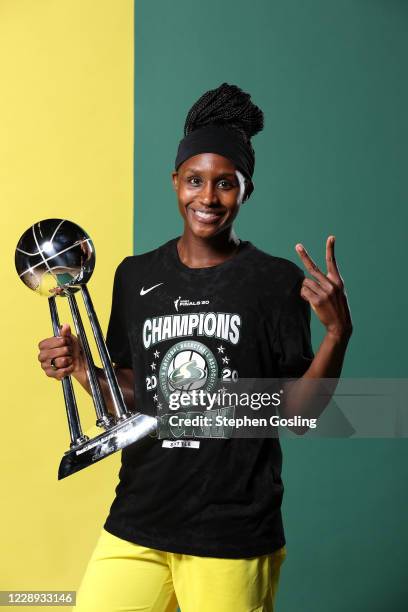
212	497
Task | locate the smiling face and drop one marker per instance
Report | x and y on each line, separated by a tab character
210	191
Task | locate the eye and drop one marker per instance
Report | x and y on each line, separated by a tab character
224	184
194	180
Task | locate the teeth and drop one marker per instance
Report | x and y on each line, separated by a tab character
205	214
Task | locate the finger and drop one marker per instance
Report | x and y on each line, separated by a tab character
331	262
65	329
311	297
63	372
62	351
62	362
48	343
312	267
60	373
314	287
54	342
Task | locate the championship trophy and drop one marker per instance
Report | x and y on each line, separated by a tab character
56	257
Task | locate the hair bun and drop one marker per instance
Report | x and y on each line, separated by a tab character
228	106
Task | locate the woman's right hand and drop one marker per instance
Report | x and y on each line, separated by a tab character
66	352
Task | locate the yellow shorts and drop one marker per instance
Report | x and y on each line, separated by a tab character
125	577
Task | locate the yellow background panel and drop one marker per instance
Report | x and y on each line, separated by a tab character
66	151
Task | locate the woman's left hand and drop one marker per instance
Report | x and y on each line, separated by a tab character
327	295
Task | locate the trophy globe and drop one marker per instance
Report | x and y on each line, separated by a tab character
55	254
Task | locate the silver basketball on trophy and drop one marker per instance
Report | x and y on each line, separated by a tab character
54	253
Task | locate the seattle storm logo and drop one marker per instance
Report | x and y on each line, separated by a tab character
189	373
186	366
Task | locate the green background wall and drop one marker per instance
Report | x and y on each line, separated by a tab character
331	79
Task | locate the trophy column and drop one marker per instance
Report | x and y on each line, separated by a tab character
120	408
74	424
103	417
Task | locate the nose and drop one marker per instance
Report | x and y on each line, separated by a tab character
208	194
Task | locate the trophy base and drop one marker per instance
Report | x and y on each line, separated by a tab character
119	436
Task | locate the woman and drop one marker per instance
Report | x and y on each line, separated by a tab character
197	518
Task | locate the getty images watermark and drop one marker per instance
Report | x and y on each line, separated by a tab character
230	401
263	408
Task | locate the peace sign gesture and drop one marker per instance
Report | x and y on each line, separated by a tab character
327	295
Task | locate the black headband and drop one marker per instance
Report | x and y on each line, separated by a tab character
221	140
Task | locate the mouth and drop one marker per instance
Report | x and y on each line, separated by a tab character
206	216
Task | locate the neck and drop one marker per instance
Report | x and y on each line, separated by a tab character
197	252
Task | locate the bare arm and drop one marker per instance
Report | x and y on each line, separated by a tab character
309	395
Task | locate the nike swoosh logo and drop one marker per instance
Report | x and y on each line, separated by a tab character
143	291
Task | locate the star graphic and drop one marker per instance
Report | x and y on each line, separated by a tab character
155	397
156	354
220	348
159	405
153	366
225	359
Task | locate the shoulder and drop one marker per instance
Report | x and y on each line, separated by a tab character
142	261
282	270
148	267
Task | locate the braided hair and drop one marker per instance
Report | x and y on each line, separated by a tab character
226	106
223	121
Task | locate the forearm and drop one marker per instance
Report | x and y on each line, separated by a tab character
309	395
126	384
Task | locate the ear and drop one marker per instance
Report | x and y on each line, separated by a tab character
174	177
